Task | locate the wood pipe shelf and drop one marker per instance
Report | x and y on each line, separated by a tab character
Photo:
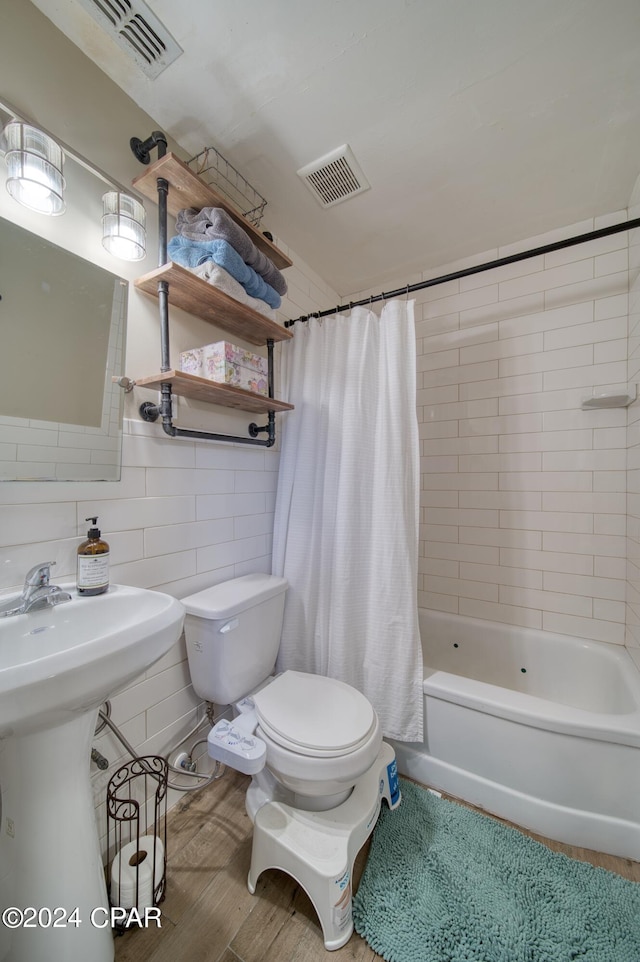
172	180
195	296
186	189
202	389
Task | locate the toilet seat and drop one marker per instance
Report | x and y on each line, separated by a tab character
320	734
314	716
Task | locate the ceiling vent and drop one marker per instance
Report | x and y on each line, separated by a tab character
335	177
137	31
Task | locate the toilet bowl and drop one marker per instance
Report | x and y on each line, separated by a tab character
320	734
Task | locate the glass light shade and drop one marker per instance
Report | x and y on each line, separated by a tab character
34	165
123	226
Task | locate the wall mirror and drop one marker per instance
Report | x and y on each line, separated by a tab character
63	328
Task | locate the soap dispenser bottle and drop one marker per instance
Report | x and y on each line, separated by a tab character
93	563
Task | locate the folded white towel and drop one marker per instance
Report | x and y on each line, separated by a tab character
218	277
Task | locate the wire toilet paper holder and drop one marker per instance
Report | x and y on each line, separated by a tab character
137	836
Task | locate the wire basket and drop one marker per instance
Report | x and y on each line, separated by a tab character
217	172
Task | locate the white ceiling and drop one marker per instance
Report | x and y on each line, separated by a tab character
477	122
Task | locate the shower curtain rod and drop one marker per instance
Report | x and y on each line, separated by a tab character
467	271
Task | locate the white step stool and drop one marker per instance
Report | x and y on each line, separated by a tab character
318	849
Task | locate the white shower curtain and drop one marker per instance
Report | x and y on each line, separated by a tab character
346	524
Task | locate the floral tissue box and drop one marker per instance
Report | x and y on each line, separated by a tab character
228	364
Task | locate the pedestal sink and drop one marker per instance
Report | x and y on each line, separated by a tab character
57	666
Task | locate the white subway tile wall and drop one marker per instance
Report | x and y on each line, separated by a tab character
185	515
523	500
633	441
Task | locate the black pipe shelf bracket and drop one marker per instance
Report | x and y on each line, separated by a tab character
171	381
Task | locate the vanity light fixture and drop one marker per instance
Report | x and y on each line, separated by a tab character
123	226
34	165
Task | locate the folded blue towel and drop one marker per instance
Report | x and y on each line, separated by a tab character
213	223
190	253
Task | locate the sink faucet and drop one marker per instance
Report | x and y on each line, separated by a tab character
37	593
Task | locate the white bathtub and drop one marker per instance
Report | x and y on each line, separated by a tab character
538	728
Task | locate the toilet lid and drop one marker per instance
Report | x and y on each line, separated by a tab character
314	715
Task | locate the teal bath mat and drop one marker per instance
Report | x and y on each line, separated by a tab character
445	884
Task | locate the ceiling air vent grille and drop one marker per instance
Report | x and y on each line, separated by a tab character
335	177
137	31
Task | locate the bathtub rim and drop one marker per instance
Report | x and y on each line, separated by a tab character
527	708
531	710
571	820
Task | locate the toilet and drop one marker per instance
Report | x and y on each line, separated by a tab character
313	745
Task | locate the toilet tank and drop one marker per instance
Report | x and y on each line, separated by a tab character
232	631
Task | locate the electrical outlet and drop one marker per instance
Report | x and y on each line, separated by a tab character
11	828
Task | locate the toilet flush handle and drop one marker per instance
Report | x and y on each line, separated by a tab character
228	626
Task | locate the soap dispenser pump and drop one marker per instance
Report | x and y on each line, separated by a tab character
93	563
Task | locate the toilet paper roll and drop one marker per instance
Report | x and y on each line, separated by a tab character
135	861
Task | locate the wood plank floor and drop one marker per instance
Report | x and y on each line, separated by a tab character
208	914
